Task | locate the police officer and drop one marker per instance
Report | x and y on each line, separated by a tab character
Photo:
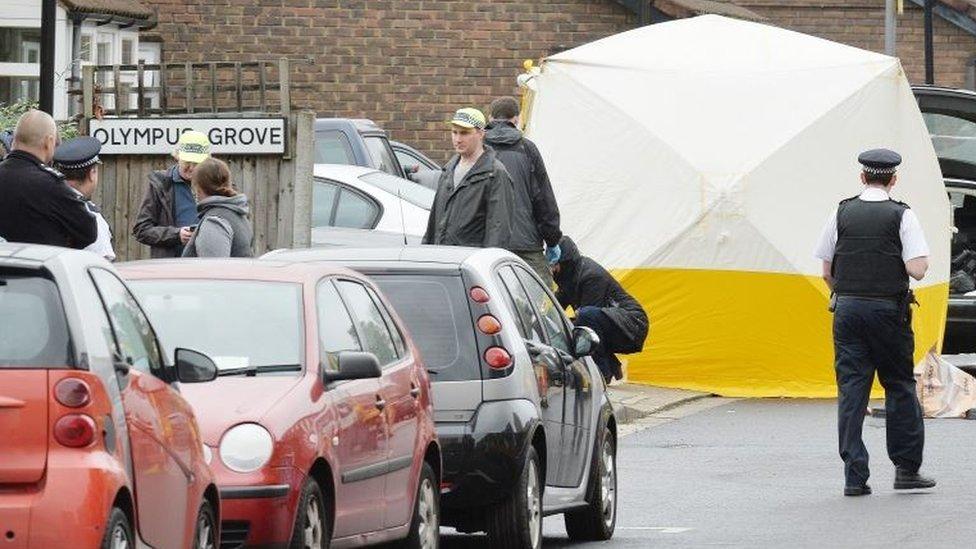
78	160
869	247
36	206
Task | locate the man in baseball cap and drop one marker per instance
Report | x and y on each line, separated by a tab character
169	210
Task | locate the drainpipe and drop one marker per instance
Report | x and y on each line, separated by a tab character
49	13
929	56
76	19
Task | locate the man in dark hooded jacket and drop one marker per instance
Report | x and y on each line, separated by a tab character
535	214
601	304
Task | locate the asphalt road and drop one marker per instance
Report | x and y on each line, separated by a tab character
766	474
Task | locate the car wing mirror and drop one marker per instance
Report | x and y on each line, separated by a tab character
194	367
585	341
353	365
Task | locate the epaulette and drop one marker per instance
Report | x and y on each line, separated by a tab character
52	171
900	203
846	200
92	207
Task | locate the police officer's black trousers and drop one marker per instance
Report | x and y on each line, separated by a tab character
876	335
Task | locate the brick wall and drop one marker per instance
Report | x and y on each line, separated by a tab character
406	64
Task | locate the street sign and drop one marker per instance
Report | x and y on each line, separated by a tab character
244	136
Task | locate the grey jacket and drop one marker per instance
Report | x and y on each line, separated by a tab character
476	212
224	229
535	215
154	224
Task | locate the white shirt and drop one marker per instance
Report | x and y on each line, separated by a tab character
103	242
912	238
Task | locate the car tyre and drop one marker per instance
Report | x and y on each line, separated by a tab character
426	524
205	534
311	530
597	521
118	531
516	523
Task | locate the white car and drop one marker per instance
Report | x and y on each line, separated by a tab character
353	197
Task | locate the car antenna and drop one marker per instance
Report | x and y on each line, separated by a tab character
403	223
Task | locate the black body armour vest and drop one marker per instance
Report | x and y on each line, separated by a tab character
867	261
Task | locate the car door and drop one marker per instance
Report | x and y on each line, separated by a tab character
360	440
578	383
399	390
158	422
547	366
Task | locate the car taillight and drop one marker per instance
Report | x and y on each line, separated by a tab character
479	295
498	358
75	430
72	392
489	325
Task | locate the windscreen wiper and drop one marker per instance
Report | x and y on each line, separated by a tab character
251	371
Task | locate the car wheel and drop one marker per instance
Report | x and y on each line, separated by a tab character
425	530
311	529
597	521
205	536
118	531
516	523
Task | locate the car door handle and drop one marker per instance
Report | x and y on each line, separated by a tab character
414	390
380	403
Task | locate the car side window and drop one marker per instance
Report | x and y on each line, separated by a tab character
532	326
401	347
549	313
355	211
135	341
369	321
382	155
324	194
337	332
332	147
407	160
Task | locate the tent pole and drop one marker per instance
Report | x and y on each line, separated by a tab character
891	28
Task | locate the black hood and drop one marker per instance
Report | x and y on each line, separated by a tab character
569	261
502	132
569	250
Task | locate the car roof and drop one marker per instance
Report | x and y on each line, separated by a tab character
342	172
362	125
229	269
449	255
31	252
942	90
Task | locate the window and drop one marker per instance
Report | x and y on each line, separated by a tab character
35	332
135	341
414	193
952	137
19	88
552	318
531	327
332	147
323	203
372	328
355	211
407	161
127	51
20	45
336	329
85	54
381	154
401	347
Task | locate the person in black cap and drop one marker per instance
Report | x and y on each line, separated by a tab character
870	247
35	204
78	160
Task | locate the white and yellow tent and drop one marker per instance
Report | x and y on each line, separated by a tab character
698	161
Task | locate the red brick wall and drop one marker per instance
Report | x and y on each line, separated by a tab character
406	64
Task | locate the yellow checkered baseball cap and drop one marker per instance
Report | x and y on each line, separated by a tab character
193	147
469	118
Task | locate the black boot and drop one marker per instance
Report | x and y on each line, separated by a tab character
862	490
911	480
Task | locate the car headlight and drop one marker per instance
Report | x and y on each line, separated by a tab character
246	447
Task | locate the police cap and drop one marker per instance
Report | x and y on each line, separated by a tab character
879	161
77	153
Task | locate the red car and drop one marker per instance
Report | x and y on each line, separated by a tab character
320	421
97	447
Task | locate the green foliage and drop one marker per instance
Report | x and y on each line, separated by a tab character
9	114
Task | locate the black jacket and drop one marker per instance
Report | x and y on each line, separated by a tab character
155	224
38	207
535	214
583	282
476	212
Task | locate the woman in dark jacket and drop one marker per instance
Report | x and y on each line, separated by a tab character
224	229
601	304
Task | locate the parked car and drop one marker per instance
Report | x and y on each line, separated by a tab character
522	413
98	447
950	116
355	142
354	197
321	422
417	165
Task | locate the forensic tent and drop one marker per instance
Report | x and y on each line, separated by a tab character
699	159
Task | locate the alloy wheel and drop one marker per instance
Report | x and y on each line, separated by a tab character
313	523
534	499
205	533
429	527
608	484
120	538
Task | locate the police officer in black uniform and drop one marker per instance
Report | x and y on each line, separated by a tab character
36	206
869	248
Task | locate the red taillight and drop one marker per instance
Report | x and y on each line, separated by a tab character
479	295
72	392
489	325
75	430
498	358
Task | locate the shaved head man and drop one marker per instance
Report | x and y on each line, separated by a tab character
37	134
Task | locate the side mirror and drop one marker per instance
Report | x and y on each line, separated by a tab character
353	365
194	367
585	340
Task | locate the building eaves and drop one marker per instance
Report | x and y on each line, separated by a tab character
134	10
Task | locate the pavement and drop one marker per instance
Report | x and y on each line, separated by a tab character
633	403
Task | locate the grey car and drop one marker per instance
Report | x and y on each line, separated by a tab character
522	413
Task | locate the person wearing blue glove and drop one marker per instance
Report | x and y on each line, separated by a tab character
553	253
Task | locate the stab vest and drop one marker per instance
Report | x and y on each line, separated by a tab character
867	261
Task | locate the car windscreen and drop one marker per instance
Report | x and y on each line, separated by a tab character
414	193
33	328
435	311
953	138
238	323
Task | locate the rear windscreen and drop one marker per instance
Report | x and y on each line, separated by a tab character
33	329
435	311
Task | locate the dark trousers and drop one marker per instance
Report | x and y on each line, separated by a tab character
595	318
876	336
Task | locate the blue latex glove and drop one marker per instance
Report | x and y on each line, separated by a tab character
553	254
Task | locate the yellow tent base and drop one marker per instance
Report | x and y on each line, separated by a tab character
749	334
